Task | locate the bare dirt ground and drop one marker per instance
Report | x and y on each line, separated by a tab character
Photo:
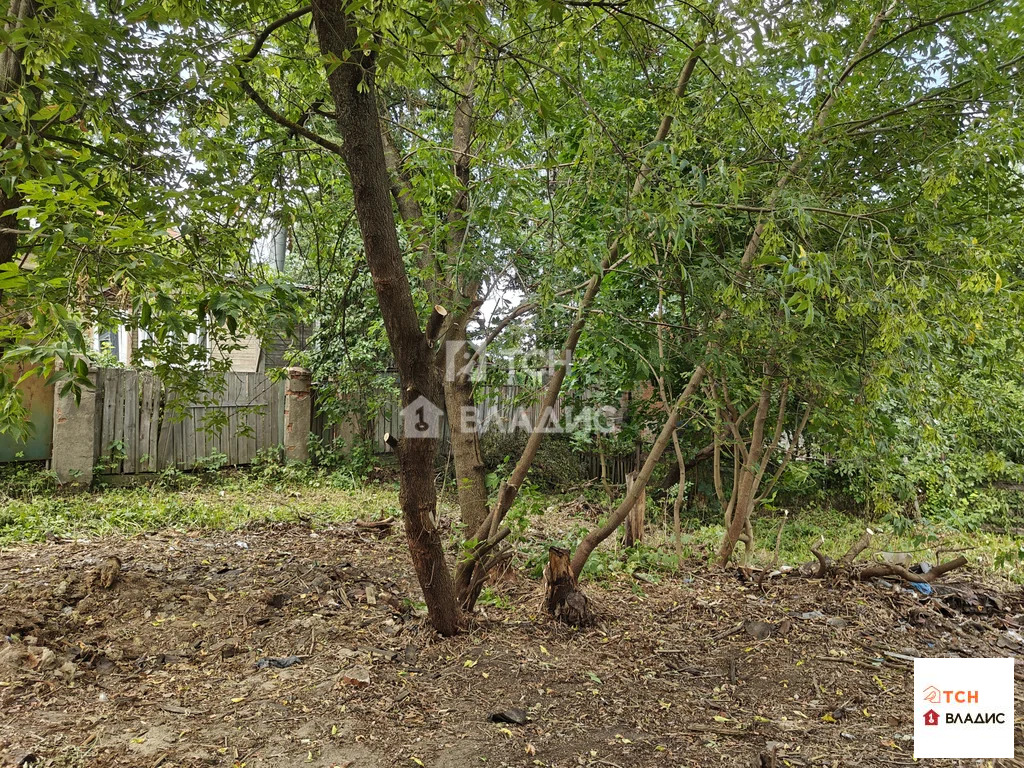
162	669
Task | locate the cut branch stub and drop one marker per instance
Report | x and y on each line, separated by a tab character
437	318
858	546
825	564
563	599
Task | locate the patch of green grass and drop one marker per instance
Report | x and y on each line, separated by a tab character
223	502
641	558
804	529
31	510
489	597
924	540
20	479
996	553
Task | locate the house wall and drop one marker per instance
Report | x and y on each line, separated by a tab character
278	347
38	399
246	359
249	357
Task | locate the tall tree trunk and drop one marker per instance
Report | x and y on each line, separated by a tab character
8	228
677	503
352	88
745	492
634	533
18	12
472	568
473	565
470	473
443	288
471	476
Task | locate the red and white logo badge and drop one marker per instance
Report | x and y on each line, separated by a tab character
963	708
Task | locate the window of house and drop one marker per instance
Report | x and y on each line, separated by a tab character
199	339
114	342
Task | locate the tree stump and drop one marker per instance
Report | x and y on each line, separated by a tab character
635	519
563	599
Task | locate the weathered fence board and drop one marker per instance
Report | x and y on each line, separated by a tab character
131	421
107	388
147	452
145	428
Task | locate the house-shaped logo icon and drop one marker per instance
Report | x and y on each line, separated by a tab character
931	717
421	418
932	695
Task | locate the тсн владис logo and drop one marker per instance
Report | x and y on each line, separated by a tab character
963	708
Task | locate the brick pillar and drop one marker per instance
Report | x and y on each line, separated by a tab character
298	415
74	437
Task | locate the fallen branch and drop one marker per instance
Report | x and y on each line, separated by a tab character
881	570
375	524
827	568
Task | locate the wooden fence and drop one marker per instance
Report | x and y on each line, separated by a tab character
504	405
616	467
142	427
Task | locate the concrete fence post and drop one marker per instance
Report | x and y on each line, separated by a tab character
74	437
298	415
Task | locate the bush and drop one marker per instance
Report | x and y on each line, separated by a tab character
557	465
358	459
24	480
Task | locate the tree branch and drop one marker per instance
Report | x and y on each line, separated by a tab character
596	536
296	127
262	37
922	25
291	125
780	421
